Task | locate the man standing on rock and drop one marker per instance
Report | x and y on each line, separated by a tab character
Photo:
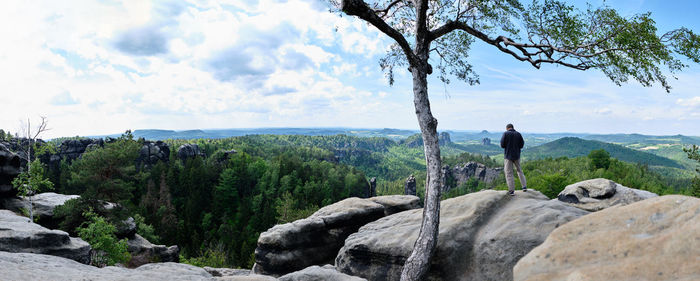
512	142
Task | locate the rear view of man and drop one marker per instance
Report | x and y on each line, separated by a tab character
512	142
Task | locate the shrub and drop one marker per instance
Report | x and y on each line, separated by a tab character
107	250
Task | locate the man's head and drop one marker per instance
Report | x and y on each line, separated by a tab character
509	126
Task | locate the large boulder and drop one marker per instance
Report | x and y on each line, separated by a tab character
597	194
9	169
26	266
189	150
126	228
318	273
654	239
316	240
19	235
481	237
221	272
44	204
143	251
397	203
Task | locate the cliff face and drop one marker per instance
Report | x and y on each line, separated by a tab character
9	169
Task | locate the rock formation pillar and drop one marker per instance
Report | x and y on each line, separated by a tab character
410	187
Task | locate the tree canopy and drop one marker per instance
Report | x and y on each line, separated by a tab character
543	32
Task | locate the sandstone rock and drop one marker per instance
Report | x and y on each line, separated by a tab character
417	140
410	186
19	146
153	152
126	229
461	173
317	273
486	141
252	277
598	194
44	204
189	150
315	240
397	203
372	187
9	169
69	150
73	149
143	252
220	272
444	138
26	266
482	235
654	239
19	235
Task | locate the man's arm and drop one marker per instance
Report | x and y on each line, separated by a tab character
521	141
503	140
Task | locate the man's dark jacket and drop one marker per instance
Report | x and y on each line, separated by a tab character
512	141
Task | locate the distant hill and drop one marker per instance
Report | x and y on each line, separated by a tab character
156	134
644	139
575	147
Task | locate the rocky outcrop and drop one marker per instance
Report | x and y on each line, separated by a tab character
597	194
482	235
9	169
26	266
187	151
221	272
126	229
461	173
252	277
654	239
486	141
73	149
417	140
19	235
153	152
19	146
397	203
444	138
372	187
410	186
142	252
70	150
316	240
44	204
318	273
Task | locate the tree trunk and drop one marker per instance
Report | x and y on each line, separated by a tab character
29	167
418	263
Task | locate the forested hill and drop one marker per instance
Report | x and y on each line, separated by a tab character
575	147
644	139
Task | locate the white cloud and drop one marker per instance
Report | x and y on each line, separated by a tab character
690	102
98	67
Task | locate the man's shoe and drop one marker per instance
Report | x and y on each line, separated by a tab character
524	188
511	193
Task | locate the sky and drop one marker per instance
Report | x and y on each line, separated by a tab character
102	67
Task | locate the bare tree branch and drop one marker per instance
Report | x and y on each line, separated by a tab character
384	12
360	9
